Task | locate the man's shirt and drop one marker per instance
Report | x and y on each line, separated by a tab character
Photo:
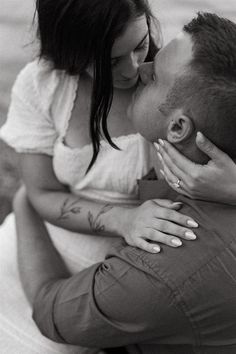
182	300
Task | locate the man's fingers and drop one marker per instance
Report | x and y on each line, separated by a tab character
206	146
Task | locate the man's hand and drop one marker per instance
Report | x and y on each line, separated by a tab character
215	181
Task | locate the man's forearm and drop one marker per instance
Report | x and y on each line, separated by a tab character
39	262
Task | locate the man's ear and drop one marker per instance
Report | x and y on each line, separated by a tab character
180	128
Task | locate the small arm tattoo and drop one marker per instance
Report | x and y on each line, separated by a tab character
94	222
69	207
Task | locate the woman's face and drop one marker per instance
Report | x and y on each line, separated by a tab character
128	52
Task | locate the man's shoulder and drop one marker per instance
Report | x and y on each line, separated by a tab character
193	284
174	266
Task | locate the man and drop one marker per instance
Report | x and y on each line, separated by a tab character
179	301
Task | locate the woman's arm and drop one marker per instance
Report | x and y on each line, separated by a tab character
158	221
56	204
38	260
215	181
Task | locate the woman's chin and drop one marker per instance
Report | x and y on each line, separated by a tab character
125	84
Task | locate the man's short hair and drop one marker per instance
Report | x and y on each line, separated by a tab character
207	90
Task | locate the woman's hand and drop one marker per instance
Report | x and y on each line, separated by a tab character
215	181
157	220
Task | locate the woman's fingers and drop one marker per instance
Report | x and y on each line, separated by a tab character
167	203
173	180
178	185
172	230
167	237
173	158
160	237
174	216
206	146
170	177
160	221
147	246
170	170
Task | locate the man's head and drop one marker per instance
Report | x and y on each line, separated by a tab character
191	86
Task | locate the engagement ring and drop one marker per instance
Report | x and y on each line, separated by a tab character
177	184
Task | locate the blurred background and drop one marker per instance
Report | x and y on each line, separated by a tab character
16	49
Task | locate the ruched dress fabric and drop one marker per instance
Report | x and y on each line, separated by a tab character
38	118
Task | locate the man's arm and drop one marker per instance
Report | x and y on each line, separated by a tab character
110	304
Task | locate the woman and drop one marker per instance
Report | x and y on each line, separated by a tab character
64	104
61	107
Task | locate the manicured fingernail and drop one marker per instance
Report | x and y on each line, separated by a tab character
161	142
192	223
190	235
200	136
159	156
178	203
157	146
156	249
176	242
162	172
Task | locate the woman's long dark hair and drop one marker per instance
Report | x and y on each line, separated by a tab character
77	33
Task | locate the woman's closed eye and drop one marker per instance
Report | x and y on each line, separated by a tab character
114	62
142	47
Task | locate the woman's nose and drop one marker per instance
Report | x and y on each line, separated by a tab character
132	67
146	72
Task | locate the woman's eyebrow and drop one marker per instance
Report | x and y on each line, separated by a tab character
138	45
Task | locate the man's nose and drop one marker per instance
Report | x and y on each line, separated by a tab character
146	72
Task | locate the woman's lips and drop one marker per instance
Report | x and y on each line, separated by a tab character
131	79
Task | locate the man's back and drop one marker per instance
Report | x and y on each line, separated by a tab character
201	275
179	301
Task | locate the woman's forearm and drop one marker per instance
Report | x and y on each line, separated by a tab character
155	220
73	213
54	202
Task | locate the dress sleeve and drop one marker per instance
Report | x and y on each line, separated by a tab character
29	127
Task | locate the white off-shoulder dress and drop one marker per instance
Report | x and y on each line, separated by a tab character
39	114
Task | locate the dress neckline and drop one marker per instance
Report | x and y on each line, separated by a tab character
104	143
88	146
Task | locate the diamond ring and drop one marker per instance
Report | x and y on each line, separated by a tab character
177	184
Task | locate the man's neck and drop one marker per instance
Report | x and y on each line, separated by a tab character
191	151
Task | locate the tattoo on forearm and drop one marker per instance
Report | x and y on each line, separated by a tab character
69	207
94	222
